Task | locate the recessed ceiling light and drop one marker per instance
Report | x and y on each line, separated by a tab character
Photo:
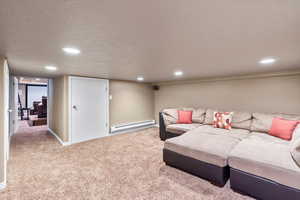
178	73
266	61
140	78
71	51
37	79
51	68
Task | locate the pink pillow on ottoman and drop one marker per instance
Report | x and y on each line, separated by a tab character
283	128
184	117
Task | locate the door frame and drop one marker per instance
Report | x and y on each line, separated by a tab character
13	106
15	99
6	90
70	78
32	85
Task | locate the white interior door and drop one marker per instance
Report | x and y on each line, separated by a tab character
89	108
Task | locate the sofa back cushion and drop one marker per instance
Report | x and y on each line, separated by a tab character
170	116
198	115
241	120
283	128
209	116
296	134
294	144
263	122
295	151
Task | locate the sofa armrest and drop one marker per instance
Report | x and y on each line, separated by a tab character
162	127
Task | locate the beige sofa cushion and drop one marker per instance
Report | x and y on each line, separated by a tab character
209	116
242	120
265	137
236	133
295	151
202	145
296	134
170	116
266	159
181	128
262	122
199	115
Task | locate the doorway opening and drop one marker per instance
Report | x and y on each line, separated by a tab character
32	101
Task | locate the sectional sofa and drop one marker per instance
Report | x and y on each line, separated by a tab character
258	164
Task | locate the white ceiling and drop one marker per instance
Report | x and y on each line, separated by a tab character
126	38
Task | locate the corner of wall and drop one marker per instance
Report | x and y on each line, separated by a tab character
66	109
2	125
59	122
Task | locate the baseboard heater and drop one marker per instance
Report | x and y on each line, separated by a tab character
132	125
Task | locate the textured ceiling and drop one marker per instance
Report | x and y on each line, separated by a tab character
126	38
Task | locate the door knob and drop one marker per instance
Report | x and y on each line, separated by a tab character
74	107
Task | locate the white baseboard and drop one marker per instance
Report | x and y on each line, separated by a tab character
2	186
132	130
58	138
110	134
132	125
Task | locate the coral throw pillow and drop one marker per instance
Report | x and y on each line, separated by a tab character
184	117
283	128
222	120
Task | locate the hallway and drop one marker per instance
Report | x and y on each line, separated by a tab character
29	161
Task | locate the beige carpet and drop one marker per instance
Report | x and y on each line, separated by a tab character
127	166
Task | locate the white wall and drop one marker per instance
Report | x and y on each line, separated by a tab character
269	94
131	102
59	98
